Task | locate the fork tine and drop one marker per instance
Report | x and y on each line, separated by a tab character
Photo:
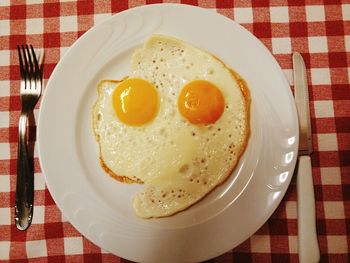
40	61
41	57
30	60
20	62
25	59
36	64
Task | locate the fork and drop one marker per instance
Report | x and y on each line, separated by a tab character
30	91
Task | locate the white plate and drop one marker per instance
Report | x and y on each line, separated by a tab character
100	207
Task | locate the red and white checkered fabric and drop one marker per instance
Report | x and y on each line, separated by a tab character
320	30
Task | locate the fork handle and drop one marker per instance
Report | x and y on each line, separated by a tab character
25	178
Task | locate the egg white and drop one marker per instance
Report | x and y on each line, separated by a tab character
179	162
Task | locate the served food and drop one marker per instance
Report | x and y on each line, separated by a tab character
178	123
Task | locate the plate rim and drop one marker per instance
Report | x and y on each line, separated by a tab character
86	35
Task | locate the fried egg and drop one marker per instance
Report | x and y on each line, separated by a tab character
178	123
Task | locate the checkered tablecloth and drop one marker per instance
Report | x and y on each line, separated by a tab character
320	30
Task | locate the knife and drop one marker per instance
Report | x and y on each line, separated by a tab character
309	251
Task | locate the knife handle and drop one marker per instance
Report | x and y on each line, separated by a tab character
309	251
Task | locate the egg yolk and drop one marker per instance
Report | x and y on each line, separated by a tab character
135	101
201	102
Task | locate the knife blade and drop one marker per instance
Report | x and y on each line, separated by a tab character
309	251
302	102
